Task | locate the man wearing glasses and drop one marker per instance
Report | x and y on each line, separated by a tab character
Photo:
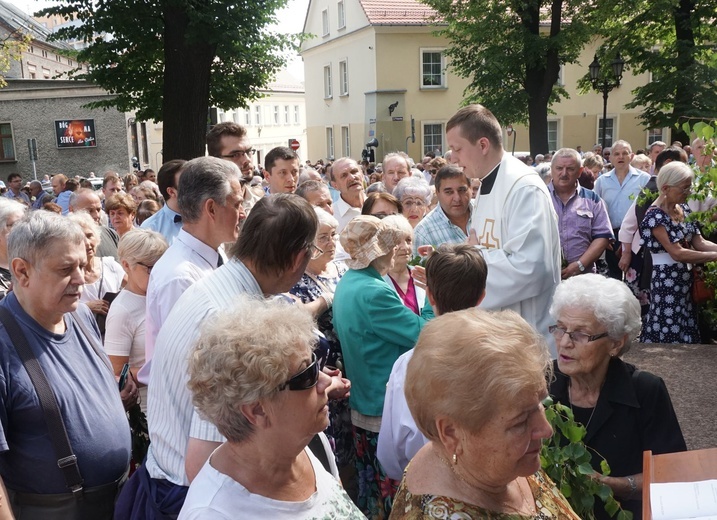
229	141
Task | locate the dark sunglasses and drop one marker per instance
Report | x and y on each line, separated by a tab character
305	379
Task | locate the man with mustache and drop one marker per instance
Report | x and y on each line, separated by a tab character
347	178
583	223
46	477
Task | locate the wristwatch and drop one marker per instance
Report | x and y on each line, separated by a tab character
581	266
633	486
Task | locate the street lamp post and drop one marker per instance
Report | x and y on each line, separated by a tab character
605	85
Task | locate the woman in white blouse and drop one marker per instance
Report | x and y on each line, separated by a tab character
138	251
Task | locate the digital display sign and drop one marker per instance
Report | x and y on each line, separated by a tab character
75	133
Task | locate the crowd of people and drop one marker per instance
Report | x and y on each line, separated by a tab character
343	339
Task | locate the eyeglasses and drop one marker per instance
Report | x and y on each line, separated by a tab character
578	338
326	239
315	251
305	379
382	215
683	190
411	203
147	267
240	153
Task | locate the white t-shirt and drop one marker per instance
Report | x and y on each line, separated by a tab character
124	331
214	495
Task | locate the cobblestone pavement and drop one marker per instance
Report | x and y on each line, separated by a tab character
690	373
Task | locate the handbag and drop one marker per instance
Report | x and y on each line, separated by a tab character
701	292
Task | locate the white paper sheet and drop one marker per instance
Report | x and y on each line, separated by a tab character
684	500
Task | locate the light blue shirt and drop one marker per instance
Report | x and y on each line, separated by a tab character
163	222
63	200
436	229
619	197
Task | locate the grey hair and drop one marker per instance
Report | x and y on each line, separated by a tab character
9	208
674	173
397	155
310	186
141	246
78	193
325	218
202	179
84	220
399	222
243	357
609	300
567	152
35	182
619	142
32	237
413	187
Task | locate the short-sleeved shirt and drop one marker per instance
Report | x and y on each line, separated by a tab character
436	229
580	221
88	398
618	197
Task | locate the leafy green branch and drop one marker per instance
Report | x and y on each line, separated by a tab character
566	460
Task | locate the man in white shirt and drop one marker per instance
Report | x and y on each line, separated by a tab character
168	221
212	208
270	256
513	220
347	178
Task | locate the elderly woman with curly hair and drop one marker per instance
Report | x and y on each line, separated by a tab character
399	276
475	387
262	387
625	410
415	195
374	328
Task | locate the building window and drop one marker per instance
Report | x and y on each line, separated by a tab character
45	73
552	136
344	78
7	152
609	131
329	143
325	22
247	117
257	115
221	115
287	115
653	135
69	62
432	69
345	142
276	115
44	53
297	115
342	15
58	58
328	92
433	138
561	81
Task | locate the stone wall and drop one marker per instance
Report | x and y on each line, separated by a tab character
32	106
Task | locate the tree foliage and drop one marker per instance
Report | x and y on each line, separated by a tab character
675	41
511	51
11	49
169	60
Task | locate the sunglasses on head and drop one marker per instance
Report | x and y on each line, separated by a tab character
305	379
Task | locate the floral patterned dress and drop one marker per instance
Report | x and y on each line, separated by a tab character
672	317
339	431
549	505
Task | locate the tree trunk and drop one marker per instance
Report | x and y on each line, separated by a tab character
686	90
540	78
185	105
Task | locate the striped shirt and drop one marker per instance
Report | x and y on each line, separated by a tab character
436	229
171	416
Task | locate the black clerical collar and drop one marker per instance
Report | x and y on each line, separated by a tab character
488	181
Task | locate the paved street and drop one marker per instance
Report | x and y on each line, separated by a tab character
689	372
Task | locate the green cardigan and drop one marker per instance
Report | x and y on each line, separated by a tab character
374	328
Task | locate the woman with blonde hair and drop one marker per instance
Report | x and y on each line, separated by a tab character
674	243
260	384
475	387
138	251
